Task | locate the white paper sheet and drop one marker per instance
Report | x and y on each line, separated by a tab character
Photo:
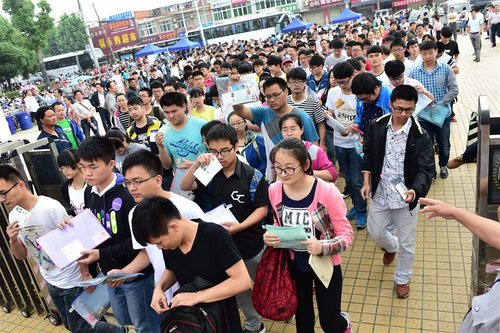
63	245
422	102
205	173
219	214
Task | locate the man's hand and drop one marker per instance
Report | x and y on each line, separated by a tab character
203	159
65	223
187	299
271	240
116	284
314	246
89	257
419	88
410	196
323	146
159	140
159	301
353	128
13	230
436	208
185	165
87	276
365	191
231	227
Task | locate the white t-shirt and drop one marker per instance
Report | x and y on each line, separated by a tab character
46	216
84	107
344	107
76	198
409	65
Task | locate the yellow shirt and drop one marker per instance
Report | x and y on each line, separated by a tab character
208	114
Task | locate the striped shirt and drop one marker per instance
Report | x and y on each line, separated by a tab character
311	106
124	118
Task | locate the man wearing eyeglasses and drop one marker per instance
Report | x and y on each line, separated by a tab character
398	167
276	91
243	190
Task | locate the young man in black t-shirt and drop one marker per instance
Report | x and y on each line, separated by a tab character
244	191
143	126
191	250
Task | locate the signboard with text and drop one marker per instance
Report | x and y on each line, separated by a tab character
237	2
121	16
219	3
323	3
120	34
161	37
401	3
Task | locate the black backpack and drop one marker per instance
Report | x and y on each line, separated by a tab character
202	318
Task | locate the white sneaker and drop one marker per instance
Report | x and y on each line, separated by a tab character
346	316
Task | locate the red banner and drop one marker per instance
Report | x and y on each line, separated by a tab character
238	2
161	37
322	3
402	3
121	34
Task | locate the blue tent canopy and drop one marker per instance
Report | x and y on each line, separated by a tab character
296	25
182	44
347	15
147	50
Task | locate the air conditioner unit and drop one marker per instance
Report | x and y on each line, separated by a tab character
191	16
174	19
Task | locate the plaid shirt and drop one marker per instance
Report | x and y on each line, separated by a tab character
394	161
440	82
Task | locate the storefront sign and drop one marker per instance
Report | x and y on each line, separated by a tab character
401	3
161	37
323	3
219	3
120	34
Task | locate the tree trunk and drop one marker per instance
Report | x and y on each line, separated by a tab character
39	57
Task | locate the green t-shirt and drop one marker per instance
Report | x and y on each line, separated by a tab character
66	127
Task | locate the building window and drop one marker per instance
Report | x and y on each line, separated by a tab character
147	28
242	9
165	25
222	13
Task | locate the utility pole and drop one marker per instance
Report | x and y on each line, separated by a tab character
199	22
105	33
87	31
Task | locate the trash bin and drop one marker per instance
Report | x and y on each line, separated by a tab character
12	125
24	120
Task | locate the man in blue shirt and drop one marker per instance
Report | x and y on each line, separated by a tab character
276	91
318	80
51	130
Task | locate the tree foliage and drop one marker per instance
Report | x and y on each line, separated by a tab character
33	23
68	36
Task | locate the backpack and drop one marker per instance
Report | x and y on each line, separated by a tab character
274	294
201	318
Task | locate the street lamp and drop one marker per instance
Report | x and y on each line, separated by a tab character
199	22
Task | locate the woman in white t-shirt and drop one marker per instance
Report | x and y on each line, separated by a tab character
85	111
73	189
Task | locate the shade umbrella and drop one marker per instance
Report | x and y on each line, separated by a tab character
182	45
296	25
347	15
148	50
80	78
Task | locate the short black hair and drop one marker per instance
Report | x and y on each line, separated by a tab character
156	84
446	32
398	42
150	93
97	148
145	159
297	73
195	92
374	49
222	132
207	127
394	68
198	73
117	137
336	44
355	63
40	113
245	68
151	218
274	80
316	60
56	103
68	158
365	83
342	70
428	45
404	92
135	100
9	174
411	42
258	62
173	98
288	116
274	60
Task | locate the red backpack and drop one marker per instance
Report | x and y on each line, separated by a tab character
274	294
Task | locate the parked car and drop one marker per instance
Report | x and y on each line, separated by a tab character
458	5
383	13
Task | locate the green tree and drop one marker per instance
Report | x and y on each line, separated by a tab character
34	25
68	36
16	60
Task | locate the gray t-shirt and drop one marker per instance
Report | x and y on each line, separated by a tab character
132	148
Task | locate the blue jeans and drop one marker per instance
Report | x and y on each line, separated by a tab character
442	136
350	167
62	299
131	303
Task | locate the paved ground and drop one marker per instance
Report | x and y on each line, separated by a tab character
440	286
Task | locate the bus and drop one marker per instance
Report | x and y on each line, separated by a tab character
71	62
253	26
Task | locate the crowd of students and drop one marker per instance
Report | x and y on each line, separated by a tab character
278	158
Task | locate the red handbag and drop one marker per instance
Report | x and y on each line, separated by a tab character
274	294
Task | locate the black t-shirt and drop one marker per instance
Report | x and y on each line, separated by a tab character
452	49
142	136
295	213
243	191
213	253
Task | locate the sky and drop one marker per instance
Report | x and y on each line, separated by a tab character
105	8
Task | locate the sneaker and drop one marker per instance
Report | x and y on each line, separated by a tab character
346	193
262	329
289	320
351	214
443	172
346	316
361	220
455	163
403	290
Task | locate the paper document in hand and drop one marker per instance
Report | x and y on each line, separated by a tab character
108	278
64	246
335	124
219	214
323	268
290	237
422	102
92	306
19	215
205	173
243	91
